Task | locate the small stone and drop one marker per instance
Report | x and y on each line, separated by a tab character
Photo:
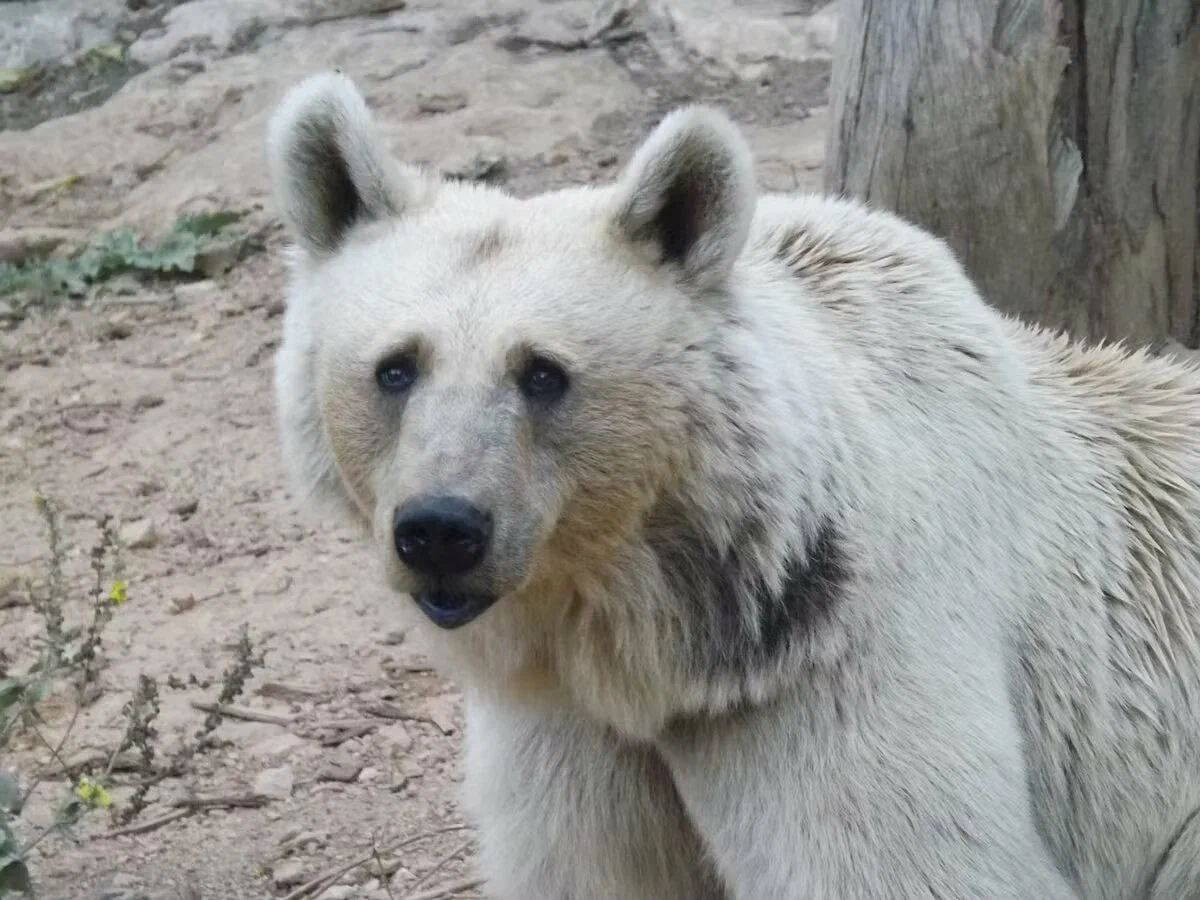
394	638
275	784
343	772
138	534
369	775
116	330
288	873
441	713
436	104
9	314
304	840
338	892
13	580
147	488
17	244
148	401
181	604
397	737
275	747
185	508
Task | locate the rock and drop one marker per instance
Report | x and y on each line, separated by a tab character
325	10
17	244
276	746
436	104
343	772
54	29
303	840
13	581
10	316
397	737
275	784
369	775
148	401
288	873
181	604
185	508
138	534
338	892
480	167
441	711
725	34
394	638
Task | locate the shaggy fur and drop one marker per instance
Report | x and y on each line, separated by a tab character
822	580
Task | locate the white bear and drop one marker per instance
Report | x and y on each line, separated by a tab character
774	563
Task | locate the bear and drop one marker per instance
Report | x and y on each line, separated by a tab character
773	561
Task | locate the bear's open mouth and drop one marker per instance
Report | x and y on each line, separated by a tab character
451	609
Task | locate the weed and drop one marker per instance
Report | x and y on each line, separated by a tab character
188	249
74	653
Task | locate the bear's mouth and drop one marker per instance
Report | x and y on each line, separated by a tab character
451	609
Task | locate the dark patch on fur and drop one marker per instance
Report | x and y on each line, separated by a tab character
809	594
488	244
316	152
727	362
969	353
737	623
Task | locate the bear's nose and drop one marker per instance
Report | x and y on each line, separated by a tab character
441	536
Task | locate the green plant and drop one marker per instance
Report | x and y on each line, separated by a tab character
183	251
62	653
67	653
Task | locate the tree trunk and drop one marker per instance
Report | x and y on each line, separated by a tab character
1054	144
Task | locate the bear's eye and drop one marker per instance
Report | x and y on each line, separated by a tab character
543	380
396	374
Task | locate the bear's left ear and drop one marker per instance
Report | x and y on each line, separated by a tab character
689	193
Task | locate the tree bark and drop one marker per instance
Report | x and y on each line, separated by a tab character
1054	144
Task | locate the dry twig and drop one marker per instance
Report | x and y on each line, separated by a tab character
325	879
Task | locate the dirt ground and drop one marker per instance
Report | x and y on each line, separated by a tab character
154	404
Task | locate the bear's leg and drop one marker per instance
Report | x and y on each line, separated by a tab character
566	811
893	791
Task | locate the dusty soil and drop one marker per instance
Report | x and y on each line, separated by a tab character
155	405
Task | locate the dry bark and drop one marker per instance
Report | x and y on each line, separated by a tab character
1054	145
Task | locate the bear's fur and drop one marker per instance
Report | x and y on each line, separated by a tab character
822	579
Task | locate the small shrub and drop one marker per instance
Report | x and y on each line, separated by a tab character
73	653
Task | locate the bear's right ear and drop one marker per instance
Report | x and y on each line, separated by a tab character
329	168
688	194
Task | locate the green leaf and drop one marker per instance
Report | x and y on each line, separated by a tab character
70	812
206	224
14	876
11	691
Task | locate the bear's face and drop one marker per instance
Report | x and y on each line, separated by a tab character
499	388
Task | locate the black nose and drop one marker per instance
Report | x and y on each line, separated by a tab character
441	536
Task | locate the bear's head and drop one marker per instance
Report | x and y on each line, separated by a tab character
500	389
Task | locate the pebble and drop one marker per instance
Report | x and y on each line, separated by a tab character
338	892
288	873
148	401
343	772
435	104
138	535
397	737
275	784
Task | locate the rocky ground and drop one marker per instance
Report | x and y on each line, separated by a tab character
151	400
